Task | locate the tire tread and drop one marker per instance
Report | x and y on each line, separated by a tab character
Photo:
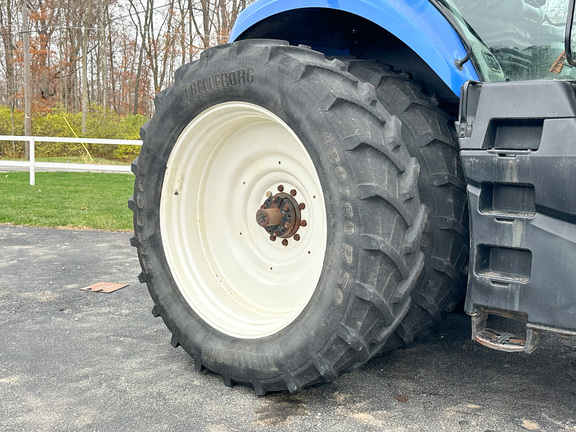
429	134
381	303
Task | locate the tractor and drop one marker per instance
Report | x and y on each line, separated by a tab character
342	174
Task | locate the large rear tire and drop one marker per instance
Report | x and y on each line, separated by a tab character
429	135
277	216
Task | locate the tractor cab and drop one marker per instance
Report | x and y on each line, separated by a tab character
525	38
517	153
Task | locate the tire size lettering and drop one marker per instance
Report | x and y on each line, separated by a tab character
349	228
347	253
144	253
219	81
338	295
343	278
139	218
143	245
140	200
347	209
238	358
344	191
326	138
340	173
333	156
141	184
147	264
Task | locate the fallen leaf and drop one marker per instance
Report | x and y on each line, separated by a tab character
530	425
402	398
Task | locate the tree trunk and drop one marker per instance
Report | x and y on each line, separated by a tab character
143	33
9	54
27	80
111	47
85	70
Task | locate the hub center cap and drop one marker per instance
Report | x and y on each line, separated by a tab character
281	215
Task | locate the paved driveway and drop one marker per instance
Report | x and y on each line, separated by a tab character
72	361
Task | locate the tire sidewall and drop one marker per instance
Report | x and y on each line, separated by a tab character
274	86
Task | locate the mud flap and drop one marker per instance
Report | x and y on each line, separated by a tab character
518	151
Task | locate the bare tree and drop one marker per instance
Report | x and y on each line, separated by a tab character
85	100
142	25
7	8
116	53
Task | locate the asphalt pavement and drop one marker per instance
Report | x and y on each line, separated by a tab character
72	360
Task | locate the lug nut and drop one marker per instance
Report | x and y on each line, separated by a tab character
293	192
284	242
303	223
297	237
268	194
280	188
301	206
272	238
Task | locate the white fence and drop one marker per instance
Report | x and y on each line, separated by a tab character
32	164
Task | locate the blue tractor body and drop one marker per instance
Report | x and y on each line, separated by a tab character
417	23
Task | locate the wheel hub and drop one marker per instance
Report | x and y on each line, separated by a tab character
281	215
223	263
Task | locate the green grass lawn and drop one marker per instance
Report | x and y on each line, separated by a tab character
70	200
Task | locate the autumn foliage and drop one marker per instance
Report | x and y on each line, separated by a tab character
133	48
102	123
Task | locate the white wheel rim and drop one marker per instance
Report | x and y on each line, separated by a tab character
225	265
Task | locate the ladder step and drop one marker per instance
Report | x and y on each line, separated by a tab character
501	341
